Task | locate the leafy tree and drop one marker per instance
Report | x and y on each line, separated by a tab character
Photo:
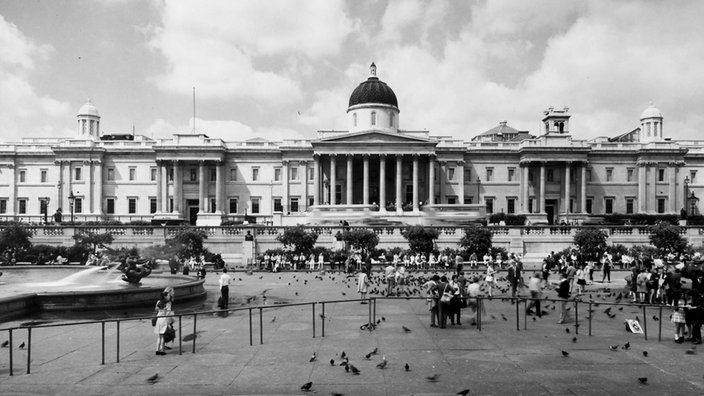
93	241
477	240
15	239
301	240
420	239
590	242
360	239
188	242
667	239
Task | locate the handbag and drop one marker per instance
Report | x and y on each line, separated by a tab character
169	334
446	296
153	321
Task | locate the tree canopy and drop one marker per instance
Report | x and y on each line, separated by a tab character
93	241
15	239
590	242
188	242
420	239
667	239
299	239
476	239
362	240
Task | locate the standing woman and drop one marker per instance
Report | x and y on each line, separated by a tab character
163	320
490	277
363	285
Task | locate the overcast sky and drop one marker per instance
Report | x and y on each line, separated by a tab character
284	69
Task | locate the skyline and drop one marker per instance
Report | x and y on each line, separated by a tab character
287	69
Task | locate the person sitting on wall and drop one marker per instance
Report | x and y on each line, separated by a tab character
58	216
249	236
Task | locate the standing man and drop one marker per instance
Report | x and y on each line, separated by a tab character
57	216
390	272
563	292
224	288
512	277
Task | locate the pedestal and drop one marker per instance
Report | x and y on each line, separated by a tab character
249	252
209	219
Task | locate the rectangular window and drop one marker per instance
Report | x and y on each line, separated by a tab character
589	205
132	205
311	173
451	200
233	205
22	206
608	205
629	174
78	205
489	205
294	173
609	174
152	205
111	174
277	174
170	172
213	174
661	205
661	176
133	173
255	205
255	174
277	205
629	205
23	176
571	205
294	205
233	174
171	205
213	205
588	175
194	174
43	175
451	173
692	176
110	206
77	173
468	200
550	175
310	201
511	174
530	205
530	175
467	175
152	174
3	206
511	205
489	174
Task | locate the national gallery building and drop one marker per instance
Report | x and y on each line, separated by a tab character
395	174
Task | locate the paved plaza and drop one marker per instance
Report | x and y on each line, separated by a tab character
498	360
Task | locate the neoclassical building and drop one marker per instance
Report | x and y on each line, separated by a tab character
550	175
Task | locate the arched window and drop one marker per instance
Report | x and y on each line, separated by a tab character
354	119
391	119
373	117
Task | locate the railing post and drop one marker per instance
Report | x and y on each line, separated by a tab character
322	325
480	305
660	325
261	327
370	313
525	315
313	306
102	342
117	351
374	315
589	317
518	320
180	336
645	323
195	332
576	316
11	353
250	326
29	346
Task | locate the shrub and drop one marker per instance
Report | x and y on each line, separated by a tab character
420	239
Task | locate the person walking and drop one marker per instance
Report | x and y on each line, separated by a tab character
224	283
563	292
606	268
432	298
363	285
535	288
163	321
490	282
390	274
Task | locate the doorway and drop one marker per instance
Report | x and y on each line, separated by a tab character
550	209
192	205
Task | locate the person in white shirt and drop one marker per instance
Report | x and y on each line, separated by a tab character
224	283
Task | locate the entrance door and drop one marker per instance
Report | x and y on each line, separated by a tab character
192	206
550	210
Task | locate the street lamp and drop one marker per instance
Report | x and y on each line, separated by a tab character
479	182
686	194
71	199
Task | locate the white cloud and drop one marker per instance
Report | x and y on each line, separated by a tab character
24	111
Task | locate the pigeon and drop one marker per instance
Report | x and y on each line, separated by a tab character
565	353
383	318
567	330
347	368
383	364
22	345
332	362
433	378
375	351
368	356
354	369
344	362
306	386
407	367
406	329
626	345
5	344
343	355
655	318
312	358
574	339
645	353
153	379
613	347
690	351
273	319
463	392
322	316
643	380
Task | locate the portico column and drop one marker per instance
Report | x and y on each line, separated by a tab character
399	159
443	182
219	184
89	193
67	191
59	185
541	198
284	186
415	183
159	177
98	197
333	178
672	191
365	183
583	190
316	179
382	183
460	178
431	180
642	169
178	190
303	173
201	187
652	208
567	186
524	188
12	198
348	182
165	187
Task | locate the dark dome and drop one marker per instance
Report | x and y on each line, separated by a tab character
373	91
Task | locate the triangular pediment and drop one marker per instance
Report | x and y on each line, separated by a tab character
374	137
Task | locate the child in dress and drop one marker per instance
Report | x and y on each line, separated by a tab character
678	319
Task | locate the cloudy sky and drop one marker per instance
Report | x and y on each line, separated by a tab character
284	69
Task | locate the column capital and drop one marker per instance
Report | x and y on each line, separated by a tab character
316	156
303	163
432	156
87	162
349	156
442	163
383	156
365	155
460	163
285	162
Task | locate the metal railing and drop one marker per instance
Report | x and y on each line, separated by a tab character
371	324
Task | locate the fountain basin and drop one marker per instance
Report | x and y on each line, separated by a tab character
21	294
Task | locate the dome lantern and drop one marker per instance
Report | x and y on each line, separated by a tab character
651	124
88	121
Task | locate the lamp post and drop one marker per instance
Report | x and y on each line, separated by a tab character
71	199
479	182
686	194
